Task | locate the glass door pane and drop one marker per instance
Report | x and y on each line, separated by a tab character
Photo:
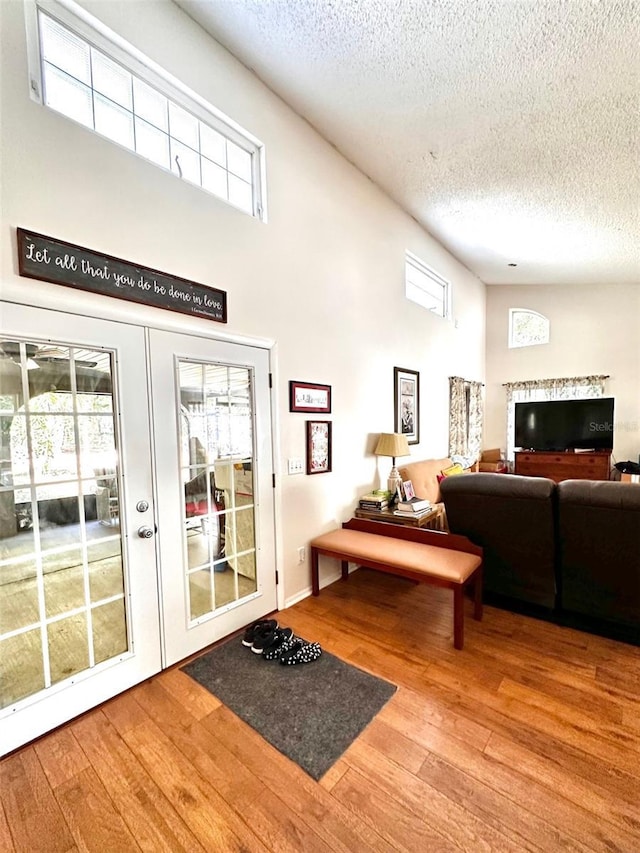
62	592
216	442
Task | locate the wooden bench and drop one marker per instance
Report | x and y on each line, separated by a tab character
424	556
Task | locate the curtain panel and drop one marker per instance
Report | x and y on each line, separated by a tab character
465	417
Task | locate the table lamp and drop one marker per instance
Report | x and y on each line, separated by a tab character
392	444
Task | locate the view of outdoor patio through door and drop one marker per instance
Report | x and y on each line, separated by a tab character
216	441
62	588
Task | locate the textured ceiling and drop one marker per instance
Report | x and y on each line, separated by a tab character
509	128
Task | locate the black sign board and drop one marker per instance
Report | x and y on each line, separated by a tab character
63	263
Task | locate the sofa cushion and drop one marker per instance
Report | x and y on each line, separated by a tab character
599	550
513	519
424	477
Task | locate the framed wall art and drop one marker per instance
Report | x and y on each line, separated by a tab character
309	397
318	447
406	398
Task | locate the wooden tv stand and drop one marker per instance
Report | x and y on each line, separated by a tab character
564	465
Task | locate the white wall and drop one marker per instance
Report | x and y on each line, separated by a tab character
594	330
324	277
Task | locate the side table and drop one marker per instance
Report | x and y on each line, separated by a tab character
430	520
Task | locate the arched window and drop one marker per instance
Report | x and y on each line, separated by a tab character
527	328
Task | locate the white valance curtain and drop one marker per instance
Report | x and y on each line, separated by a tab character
465	417
570	388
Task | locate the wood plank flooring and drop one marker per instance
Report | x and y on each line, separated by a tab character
528	740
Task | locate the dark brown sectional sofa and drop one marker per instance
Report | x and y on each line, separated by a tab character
568	552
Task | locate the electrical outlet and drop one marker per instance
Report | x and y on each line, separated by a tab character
302	554
294	466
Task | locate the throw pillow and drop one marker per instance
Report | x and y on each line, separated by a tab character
452	470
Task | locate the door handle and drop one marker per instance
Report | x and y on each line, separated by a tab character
145	532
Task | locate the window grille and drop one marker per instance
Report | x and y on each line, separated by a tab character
86	72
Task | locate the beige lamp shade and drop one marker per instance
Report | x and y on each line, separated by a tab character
392	444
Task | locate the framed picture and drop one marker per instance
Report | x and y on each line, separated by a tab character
406	398
407	488
318	447
308	397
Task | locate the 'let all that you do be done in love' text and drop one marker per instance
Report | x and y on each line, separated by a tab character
56	261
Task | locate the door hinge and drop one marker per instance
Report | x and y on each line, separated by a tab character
276	577
273	481
271	380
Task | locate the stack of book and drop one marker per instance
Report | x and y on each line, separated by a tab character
374	501
414	507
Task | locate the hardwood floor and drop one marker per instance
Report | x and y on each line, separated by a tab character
529	739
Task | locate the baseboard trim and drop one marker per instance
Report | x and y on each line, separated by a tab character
336	576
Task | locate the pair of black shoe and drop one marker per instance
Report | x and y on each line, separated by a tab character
267	639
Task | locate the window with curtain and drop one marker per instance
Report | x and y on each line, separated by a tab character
570	388
465	418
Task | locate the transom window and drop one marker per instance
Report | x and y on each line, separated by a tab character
116	96
527	328
425	286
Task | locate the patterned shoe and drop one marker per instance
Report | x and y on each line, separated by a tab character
263	636
282	640
301	652
260	625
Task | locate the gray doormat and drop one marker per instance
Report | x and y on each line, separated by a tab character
310	712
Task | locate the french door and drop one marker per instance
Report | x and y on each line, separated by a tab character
136	511
211	427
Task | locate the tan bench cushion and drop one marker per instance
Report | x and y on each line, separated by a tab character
430	560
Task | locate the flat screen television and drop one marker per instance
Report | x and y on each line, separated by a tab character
565	424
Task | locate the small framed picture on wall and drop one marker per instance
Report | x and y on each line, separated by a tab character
309	397
406	396
318	447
